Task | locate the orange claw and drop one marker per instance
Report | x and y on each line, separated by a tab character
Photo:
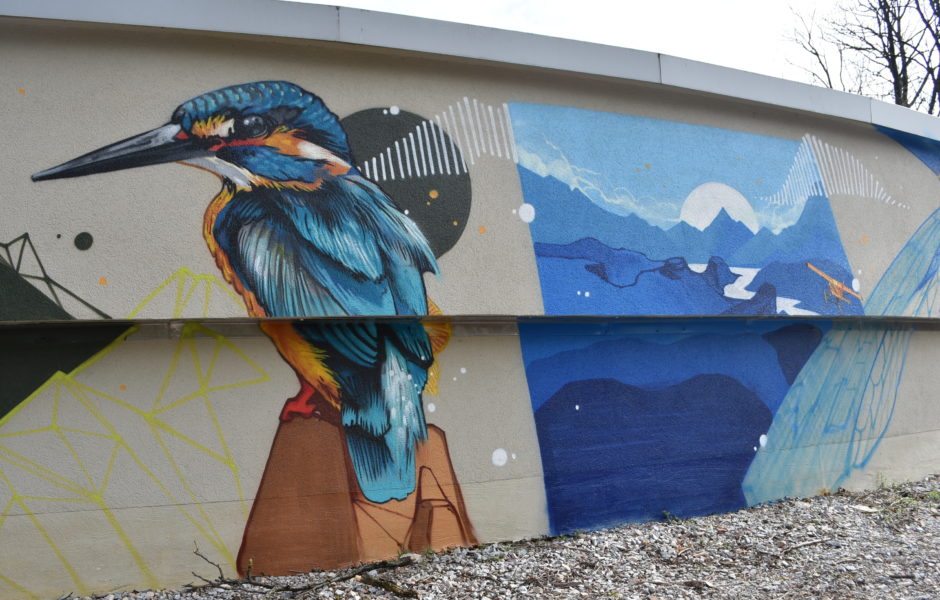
306	404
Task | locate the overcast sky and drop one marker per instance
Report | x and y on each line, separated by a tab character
744	34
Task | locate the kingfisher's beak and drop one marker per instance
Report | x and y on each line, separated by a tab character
151	148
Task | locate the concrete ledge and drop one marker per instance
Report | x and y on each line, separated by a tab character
682	73
282	18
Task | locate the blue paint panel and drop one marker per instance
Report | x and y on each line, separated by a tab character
629	211
637	419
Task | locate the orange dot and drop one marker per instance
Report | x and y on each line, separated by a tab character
21	90
865	239
103	281
434	194
122	387
647	165
482	229
455	223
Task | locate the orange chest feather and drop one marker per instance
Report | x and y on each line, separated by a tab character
221	258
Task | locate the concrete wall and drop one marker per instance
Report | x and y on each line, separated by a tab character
655	300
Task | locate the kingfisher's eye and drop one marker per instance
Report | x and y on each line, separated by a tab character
251	126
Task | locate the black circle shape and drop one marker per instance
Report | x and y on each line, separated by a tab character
438	203
83	241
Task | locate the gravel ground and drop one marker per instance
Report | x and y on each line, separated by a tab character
880	544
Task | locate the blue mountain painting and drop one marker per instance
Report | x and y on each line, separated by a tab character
634	423
594	261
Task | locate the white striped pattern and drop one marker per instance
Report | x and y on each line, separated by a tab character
475	128
823	169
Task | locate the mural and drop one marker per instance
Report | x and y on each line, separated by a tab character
638	422
615	419
693	418
641	216
298	231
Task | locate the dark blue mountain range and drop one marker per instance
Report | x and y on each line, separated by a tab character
593	261
613	452
564	215
588	277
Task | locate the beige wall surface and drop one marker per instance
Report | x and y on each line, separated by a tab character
553	195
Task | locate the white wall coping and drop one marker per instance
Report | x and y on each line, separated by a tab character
354	26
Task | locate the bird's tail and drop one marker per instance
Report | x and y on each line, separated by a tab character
382	431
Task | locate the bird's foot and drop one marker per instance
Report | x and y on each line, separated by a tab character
308	403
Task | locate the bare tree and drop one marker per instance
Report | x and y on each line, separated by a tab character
888	49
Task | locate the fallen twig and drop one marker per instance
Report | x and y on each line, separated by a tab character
203	557
387	585
803	545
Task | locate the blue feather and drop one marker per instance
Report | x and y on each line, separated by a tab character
346	250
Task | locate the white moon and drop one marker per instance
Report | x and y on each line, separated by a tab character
706	201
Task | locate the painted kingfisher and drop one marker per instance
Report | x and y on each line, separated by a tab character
299	232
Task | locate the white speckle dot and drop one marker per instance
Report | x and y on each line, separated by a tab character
859	271
755	448
384	111
500	457
527	212
394	110
577	407
463	370
406	211
514	211
455	379
579	292
856	285
431	407
763	440
587	294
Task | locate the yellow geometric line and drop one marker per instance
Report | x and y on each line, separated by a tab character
82	393
17	587
181	275
189	295
81	463
140	463
55	549
217	539
108	469
89	500
138	559
171	371
39	471
27	431
83	432
157	424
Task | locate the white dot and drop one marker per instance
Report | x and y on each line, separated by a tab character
587	294
431	407
859	271
514	211
577	407
514	456
500	457
763	440
406	211
394	110
579	292
856	285
755	448
384	111
527	212
455	379
463	370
